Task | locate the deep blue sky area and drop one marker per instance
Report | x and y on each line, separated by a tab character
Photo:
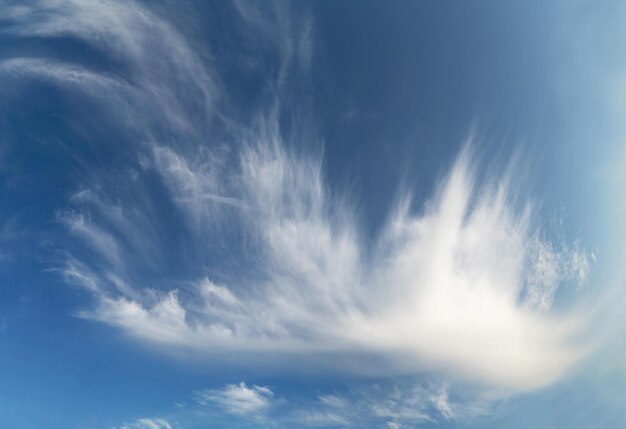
355	214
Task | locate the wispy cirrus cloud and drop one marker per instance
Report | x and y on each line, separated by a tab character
148	423
365	405
439	289
238	399
461	283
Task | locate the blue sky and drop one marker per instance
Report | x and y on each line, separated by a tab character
312	214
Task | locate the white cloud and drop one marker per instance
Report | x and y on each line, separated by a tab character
147	96
463	286
64	74
391	406
238	399
441	403
372	405
444	289
275	24
148	423
199	188
99	240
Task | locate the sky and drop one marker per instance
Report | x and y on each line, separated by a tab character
355	214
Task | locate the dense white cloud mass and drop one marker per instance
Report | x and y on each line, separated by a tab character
464	284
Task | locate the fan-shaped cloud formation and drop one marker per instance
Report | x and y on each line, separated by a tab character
463	284
454	287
